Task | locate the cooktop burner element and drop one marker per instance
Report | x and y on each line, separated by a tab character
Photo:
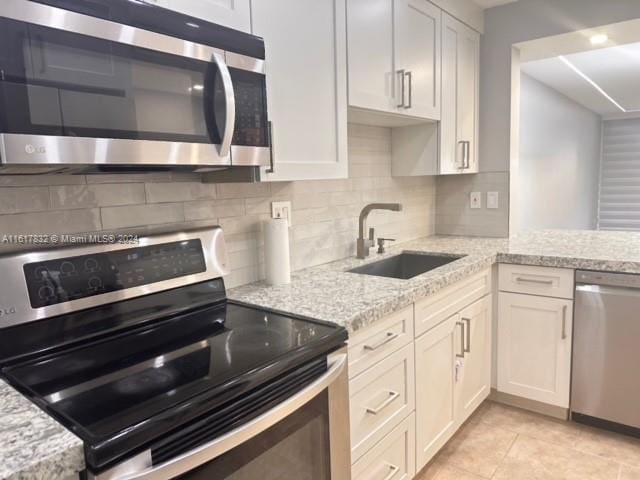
122	374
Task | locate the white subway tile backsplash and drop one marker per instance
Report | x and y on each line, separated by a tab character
23	199
325	212
179	191
141	215
98	195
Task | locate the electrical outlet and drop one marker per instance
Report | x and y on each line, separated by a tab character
492	200
281	210
475	200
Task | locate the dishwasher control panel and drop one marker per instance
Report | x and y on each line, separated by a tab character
628	280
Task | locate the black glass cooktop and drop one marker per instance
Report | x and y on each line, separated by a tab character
119	392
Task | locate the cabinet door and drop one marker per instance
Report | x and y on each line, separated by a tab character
370	55
460	90
417	53
436	372
305	42
230	13
534	347
475	382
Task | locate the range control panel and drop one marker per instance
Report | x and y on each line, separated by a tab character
61	280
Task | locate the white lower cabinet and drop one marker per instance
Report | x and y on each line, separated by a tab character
408	396
534	347
435	388
379	398
475	378
392	458
453	376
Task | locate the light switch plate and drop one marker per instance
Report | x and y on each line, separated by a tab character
281	210
475	200
492	200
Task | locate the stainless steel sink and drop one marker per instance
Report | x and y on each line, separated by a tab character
406	265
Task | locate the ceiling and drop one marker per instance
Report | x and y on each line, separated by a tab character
492	3
615	70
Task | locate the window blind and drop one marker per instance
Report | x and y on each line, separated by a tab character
619	198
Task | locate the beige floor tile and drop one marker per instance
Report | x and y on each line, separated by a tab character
629	473
610	445
441	471
531	424
478	447
532	459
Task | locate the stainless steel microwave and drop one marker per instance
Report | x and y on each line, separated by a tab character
122	85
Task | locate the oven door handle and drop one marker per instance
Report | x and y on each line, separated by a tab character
208	451
230	105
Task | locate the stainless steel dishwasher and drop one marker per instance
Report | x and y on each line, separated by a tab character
605	390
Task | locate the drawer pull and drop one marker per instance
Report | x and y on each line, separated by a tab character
388	337
533	280
393	469
391	397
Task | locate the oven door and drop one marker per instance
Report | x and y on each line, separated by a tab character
306	437
75	89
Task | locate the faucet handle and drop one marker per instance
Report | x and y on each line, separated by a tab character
381	243
372	235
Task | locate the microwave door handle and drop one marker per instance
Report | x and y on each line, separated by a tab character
208	451
230	105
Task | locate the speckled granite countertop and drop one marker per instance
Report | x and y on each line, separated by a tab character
32	444
329	292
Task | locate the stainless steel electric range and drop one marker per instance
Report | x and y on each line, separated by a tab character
136	349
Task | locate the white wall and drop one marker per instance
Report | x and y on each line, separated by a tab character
518	22
559	166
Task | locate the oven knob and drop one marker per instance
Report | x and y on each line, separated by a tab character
90	265
67	269
46	293
95	283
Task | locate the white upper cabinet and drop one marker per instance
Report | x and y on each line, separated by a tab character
371	76
417	40
230	13
460	90
305	42
394	57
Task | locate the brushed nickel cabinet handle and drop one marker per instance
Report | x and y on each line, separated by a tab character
462	349
564	322
468	331
391	396
467	155
393	469
532	280
402	77
464	153
410	77
388	337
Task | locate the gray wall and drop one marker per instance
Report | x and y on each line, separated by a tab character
325	212
559	162
518	22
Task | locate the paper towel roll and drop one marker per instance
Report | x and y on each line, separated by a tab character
276	251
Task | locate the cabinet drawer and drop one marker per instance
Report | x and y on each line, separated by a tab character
379	398
438	307
544	281
372	344
393	457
